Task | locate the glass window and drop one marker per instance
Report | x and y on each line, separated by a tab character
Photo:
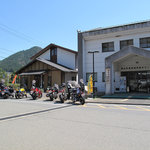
54	51
73	78
126	43
108	47
90	73
145	42
103	76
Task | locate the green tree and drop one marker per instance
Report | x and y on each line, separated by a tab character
3	75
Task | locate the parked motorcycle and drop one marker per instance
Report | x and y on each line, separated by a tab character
78	95
35	93
63	94
52	92
72	90
77	92
20	93
7	92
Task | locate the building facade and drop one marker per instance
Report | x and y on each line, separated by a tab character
123	61
52	65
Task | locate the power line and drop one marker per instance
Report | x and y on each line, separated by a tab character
17	33
5	52
4	49
2	57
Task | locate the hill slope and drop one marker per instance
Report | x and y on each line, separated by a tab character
19	59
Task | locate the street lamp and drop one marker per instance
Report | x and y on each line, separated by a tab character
93	52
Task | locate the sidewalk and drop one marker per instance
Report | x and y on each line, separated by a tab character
119	101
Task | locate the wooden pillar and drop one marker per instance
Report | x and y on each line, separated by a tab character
45	81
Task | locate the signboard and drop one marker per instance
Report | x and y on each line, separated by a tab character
107	75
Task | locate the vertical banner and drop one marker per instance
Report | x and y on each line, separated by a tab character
90	84
14	79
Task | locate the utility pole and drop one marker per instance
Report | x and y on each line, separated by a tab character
93	52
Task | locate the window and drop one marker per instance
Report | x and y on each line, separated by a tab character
73	78
54	51
53	55
88	74
103	76
125	43
145	42
108	47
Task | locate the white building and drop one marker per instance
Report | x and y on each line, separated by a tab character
123	61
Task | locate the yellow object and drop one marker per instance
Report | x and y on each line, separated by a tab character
22	90
90	84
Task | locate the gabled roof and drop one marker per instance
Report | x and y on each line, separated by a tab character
57	66
30	63
62	68
52	46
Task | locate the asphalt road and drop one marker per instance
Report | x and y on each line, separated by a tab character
45	125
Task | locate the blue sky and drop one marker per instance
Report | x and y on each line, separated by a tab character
28	23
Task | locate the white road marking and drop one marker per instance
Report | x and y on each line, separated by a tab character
124	100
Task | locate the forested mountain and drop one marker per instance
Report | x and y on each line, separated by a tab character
19	59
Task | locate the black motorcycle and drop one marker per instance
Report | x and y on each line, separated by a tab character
7	92
78	95
52	92
73	91
64	93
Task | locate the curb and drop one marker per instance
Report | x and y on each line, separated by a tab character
119	103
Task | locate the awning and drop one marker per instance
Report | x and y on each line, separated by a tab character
32	73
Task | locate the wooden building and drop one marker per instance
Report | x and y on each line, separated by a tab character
53	64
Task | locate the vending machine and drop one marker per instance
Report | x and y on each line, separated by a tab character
123	84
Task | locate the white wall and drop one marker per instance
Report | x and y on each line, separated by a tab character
66	58
96	45
45	55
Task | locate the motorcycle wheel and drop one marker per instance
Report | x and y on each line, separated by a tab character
61	99
40	95
20	96
51	99
82	101
16	96
34	97
6	96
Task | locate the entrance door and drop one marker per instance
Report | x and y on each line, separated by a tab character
138	81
